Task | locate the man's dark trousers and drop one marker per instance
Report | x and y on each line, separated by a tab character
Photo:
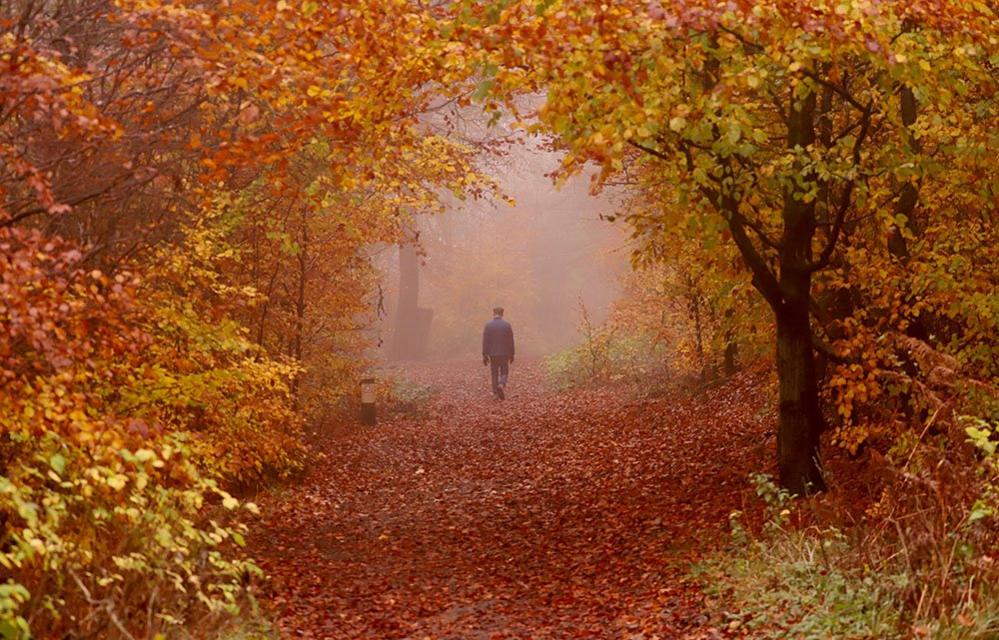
498	349
499	367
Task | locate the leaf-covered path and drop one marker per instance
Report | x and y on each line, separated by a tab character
552	515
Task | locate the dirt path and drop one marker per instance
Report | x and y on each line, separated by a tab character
552	515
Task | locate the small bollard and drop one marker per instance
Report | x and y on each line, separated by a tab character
369	417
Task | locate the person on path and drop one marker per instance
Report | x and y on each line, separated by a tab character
498	351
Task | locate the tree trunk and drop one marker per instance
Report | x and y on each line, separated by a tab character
800	421
730	361
298	339
406	338
695	313
908	199
909	195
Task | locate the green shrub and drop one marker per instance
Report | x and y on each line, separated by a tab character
791	587
819	582
609	357
91	543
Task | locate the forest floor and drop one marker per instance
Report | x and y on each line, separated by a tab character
572	514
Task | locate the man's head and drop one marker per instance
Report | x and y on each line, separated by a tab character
498	312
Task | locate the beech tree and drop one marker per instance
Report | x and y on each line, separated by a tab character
788	123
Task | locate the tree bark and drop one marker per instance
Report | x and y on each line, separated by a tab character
730	359
298	339
908	200
909	196
694	305
800	421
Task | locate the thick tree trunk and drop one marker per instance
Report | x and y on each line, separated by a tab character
800	420
409	334
409	283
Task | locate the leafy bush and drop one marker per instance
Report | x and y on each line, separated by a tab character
118	546
608	356
824	582
127	408
201	372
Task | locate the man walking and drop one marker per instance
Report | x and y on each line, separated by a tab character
497	350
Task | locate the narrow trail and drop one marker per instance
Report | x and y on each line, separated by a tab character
552	515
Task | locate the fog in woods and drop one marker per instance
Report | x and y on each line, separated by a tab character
545	259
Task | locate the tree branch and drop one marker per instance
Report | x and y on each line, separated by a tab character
756	228
840	91
15	218
845	197
649	150
763	277
827	350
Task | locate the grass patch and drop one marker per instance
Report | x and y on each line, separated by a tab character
251	624
407	398
609	358
791	586
782	581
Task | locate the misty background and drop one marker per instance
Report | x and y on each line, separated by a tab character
540	259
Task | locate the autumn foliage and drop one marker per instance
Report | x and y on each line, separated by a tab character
837	148
190	192
187	197
834	157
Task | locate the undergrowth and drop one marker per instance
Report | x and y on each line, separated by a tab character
608	357
912	568
252	624
406	398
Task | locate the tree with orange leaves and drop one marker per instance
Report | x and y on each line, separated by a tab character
806	129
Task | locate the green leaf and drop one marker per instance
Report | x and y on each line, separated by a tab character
483	89
980	511
57	462
28	512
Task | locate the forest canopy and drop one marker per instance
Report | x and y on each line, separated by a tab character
191	193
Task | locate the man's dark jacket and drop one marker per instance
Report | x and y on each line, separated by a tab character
497	339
